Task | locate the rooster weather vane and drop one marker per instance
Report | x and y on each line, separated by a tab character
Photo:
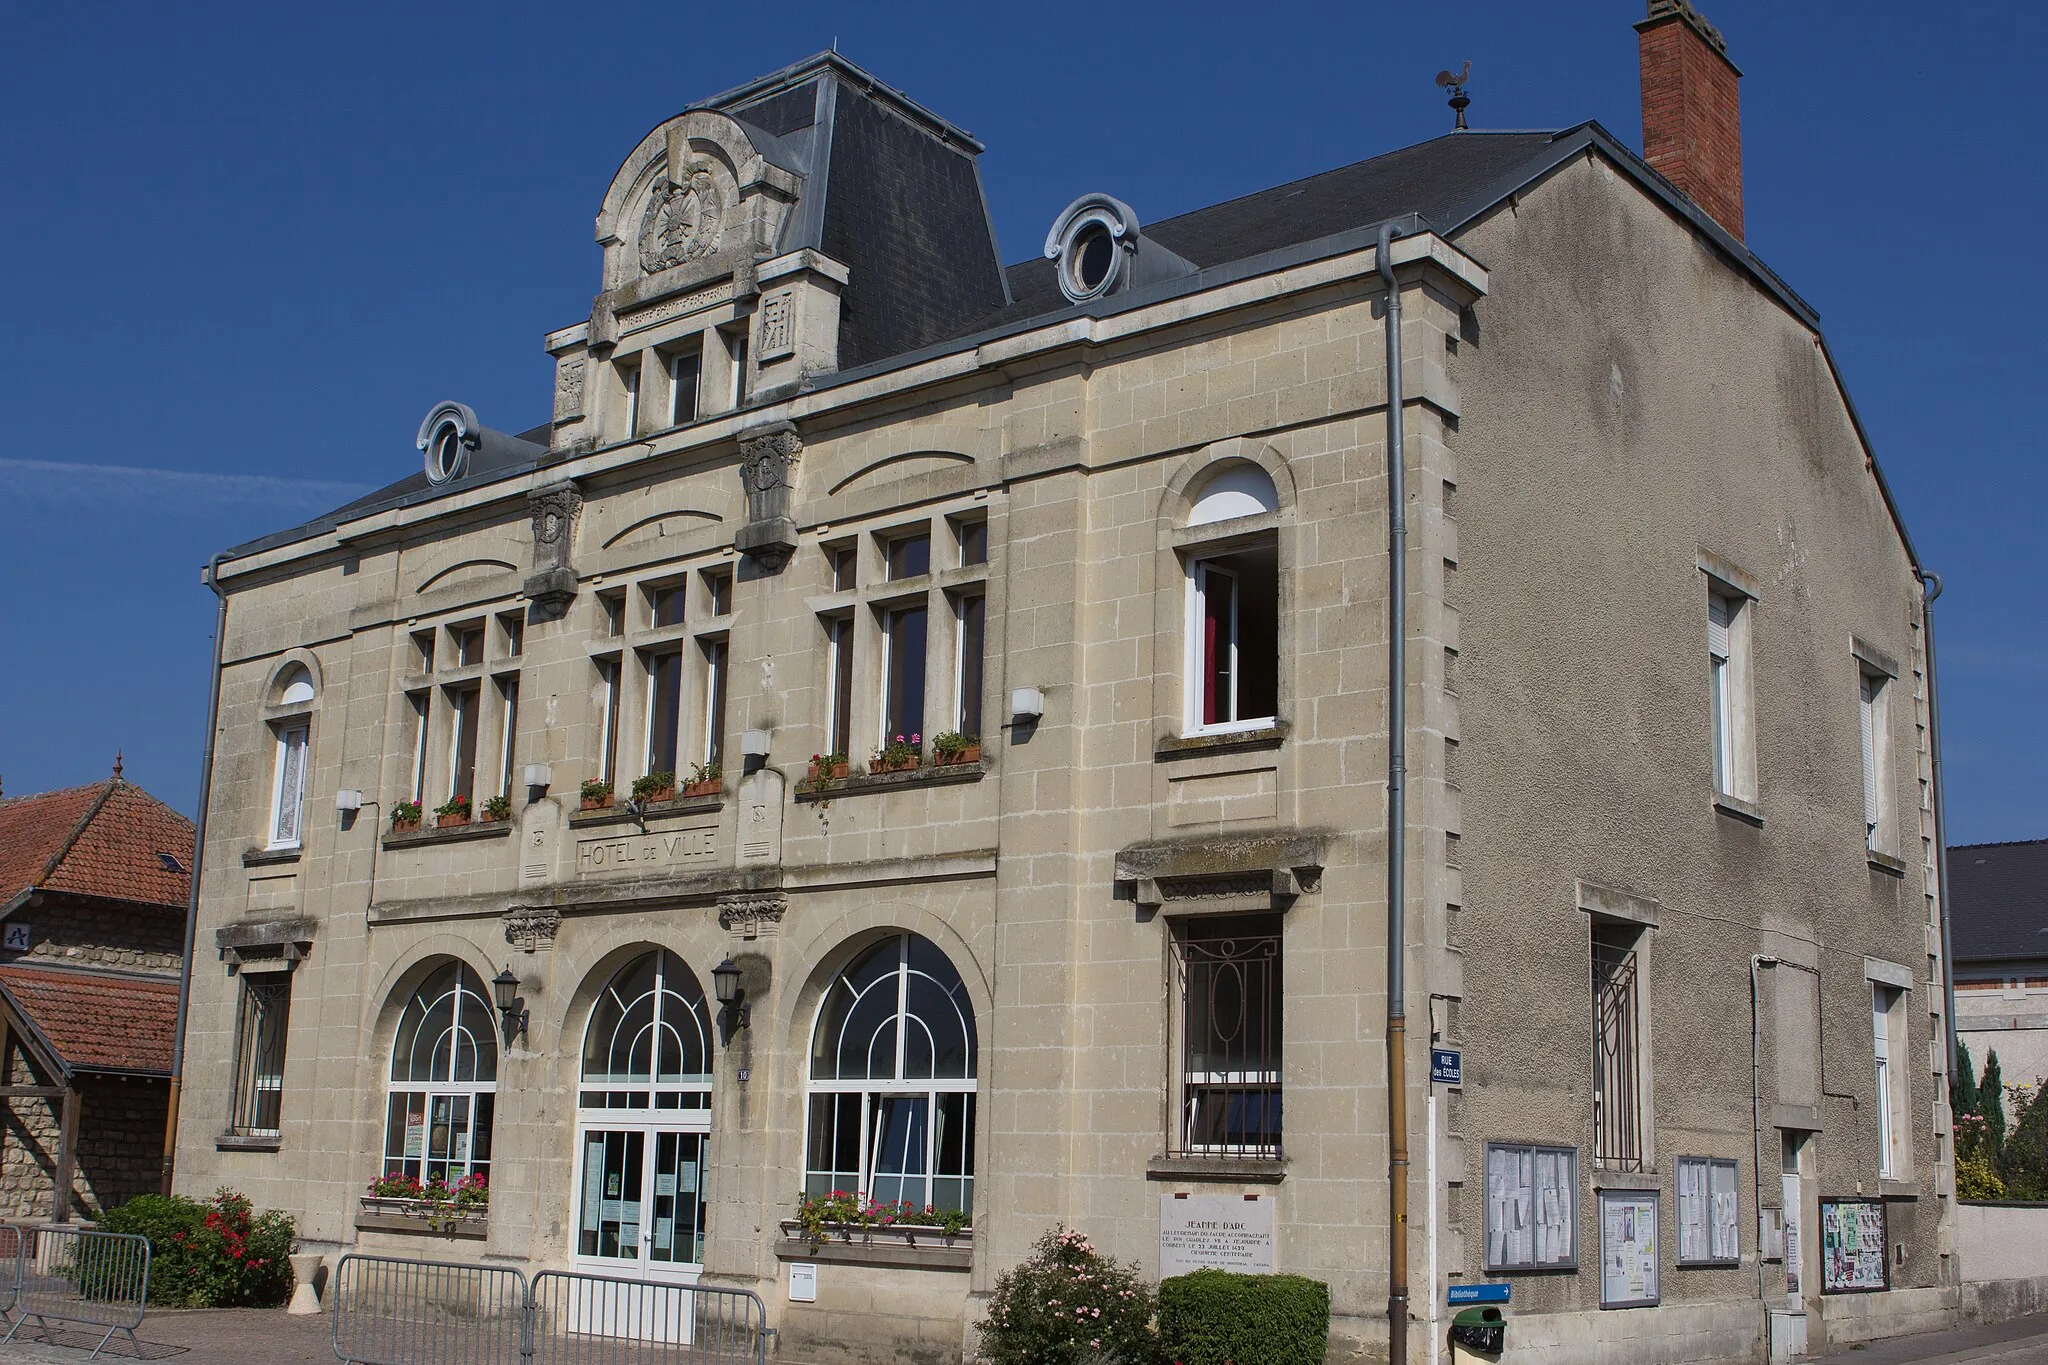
1454	81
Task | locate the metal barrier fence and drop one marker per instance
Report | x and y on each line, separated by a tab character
76	1275
391	1311
594	1320
11	1239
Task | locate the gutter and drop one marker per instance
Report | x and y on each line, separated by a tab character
1930	588
220	630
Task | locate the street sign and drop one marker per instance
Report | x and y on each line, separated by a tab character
1446	1066
1480	1293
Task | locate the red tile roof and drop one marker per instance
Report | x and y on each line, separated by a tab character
102	840
98	1023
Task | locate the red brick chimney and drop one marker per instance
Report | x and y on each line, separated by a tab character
1692	115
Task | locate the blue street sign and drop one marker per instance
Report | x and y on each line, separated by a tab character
1446	1066
1480	1293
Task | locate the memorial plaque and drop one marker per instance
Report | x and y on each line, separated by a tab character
1216	1232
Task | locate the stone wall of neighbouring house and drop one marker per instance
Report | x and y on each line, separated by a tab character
120	1144
135	938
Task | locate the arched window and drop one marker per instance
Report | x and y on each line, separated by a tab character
294	689
444	1079
1232	667
892	1080
648	1045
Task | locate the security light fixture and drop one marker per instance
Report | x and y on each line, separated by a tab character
347	800
732	996
754	743
1026	704
505	994
539	775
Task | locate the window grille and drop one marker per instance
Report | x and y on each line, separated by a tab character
1227	971
259	1057
1617	1100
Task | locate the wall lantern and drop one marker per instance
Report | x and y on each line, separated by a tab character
505	993
732	996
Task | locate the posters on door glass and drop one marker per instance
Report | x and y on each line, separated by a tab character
1852	1241
1628	1248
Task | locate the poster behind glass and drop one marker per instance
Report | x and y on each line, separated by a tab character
1852	1242
1628	1248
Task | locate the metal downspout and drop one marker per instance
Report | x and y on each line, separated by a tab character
1397	823
220	625
1930	585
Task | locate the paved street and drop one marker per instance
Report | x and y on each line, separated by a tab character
253	1337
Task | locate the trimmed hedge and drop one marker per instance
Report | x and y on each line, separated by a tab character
1216	1317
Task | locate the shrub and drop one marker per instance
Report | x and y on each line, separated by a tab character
645	787
1214	1316
219	1254
1068	1304
1976	1180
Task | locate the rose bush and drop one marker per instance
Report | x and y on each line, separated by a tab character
1068	1305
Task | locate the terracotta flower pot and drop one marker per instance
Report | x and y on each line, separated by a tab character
490	819
405	827
594	803
710	788
450	821
660	794
840	770
970	754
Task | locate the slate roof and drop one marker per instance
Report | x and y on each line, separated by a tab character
102	841
95	1021
1998	900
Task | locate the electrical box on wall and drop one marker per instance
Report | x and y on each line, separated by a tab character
803	1282
1771	1234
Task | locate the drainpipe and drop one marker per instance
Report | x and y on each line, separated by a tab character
1397	824
1930	584
220	625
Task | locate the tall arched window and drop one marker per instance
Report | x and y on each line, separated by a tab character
892	1080
643	1118
444	1079
1232	667
293	697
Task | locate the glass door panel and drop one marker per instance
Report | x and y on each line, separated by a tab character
678	1229
614	1172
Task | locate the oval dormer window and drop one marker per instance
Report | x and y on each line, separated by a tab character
1092	243
447	436
1089	260
1236	490
445	454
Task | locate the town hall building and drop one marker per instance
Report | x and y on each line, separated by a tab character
917	725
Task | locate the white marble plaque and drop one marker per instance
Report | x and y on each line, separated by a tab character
1216	1232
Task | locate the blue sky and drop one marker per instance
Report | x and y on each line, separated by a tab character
245	247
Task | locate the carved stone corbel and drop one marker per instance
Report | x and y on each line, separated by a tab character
769	460
752	914
552	585
531	928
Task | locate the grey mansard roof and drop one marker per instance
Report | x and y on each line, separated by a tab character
1998	900
903	208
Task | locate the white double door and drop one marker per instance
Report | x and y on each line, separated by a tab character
640	1210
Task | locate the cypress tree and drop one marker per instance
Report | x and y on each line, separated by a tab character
1991	1104
1962	1097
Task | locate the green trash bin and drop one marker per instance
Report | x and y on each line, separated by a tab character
1480	1332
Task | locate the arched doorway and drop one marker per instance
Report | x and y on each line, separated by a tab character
643	1122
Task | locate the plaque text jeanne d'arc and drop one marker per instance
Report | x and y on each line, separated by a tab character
1216	1232
625	855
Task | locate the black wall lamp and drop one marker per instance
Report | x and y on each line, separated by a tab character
505	994
732	996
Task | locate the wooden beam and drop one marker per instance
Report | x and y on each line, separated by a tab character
31	1092
67	1158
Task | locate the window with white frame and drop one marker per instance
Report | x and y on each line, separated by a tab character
508	731
1888	1049
904	631
608	718
648	1045
1232	626
1874	726
892	1088
288	784
257	1103
685	370
839	726
970	632
1729	619
717	653
1228	982
465	709
1532	1206
421	705
1707	1212
444	1079
664	708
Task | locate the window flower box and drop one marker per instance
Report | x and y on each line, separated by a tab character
869	1234
405	826
596	793
422	1215
946	758
452	820
655	787
709	787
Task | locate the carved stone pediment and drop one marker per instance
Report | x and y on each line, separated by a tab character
552	584
770	458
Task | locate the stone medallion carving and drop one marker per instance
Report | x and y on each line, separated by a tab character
752	914
683	222
552	584
532	927
769	461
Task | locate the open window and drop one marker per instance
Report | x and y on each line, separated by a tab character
1232	665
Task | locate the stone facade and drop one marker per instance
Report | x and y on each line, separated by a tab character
1601	419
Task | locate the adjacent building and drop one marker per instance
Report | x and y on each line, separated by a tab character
94	886
1998	919
917	726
